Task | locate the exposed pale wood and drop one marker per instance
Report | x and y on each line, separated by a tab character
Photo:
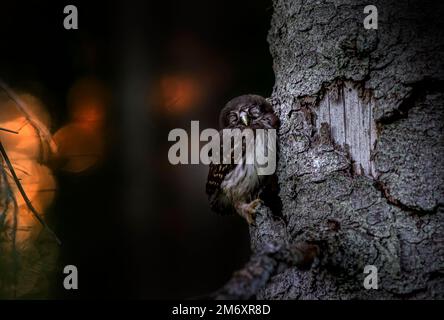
324	111
337	123
351	123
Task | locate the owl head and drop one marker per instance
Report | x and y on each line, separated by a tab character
248	111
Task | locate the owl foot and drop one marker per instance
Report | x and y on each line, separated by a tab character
248	210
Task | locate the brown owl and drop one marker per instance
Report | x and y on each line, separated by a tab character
236	187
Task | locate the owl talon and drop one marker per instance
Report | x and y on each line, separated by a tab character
248	210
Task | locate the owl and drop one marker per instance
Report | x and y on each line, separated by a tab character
236	187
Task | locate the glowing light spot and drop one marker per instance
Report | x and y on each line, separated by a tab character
179	92
81	141
79	149
87	101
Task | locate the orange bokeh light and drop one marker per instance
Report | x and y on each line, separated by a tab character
179	93
87	100
80	142
79	149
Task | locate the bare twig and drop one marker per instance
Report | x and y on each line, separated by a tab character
41	129
23	193
8	130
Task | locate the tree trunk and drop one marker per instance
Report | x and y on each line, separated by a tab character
361	154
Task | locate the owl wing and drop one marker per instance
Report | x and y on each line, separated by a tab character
216	175
219	202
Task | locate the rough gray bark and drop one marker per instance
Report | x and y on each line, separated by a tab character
361	165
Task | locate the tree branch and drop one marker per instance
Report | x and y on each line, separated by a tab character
268	253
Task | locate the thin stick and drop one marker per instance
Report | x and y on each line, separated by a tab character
21	106
8	130
23	193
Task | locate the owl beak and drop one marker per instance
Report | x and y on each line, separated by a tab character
244	118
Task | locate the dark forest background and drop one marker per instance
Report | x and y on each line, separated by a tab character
134	225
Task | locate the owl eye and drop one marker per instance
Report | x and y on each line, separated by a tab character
232	118
254	112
